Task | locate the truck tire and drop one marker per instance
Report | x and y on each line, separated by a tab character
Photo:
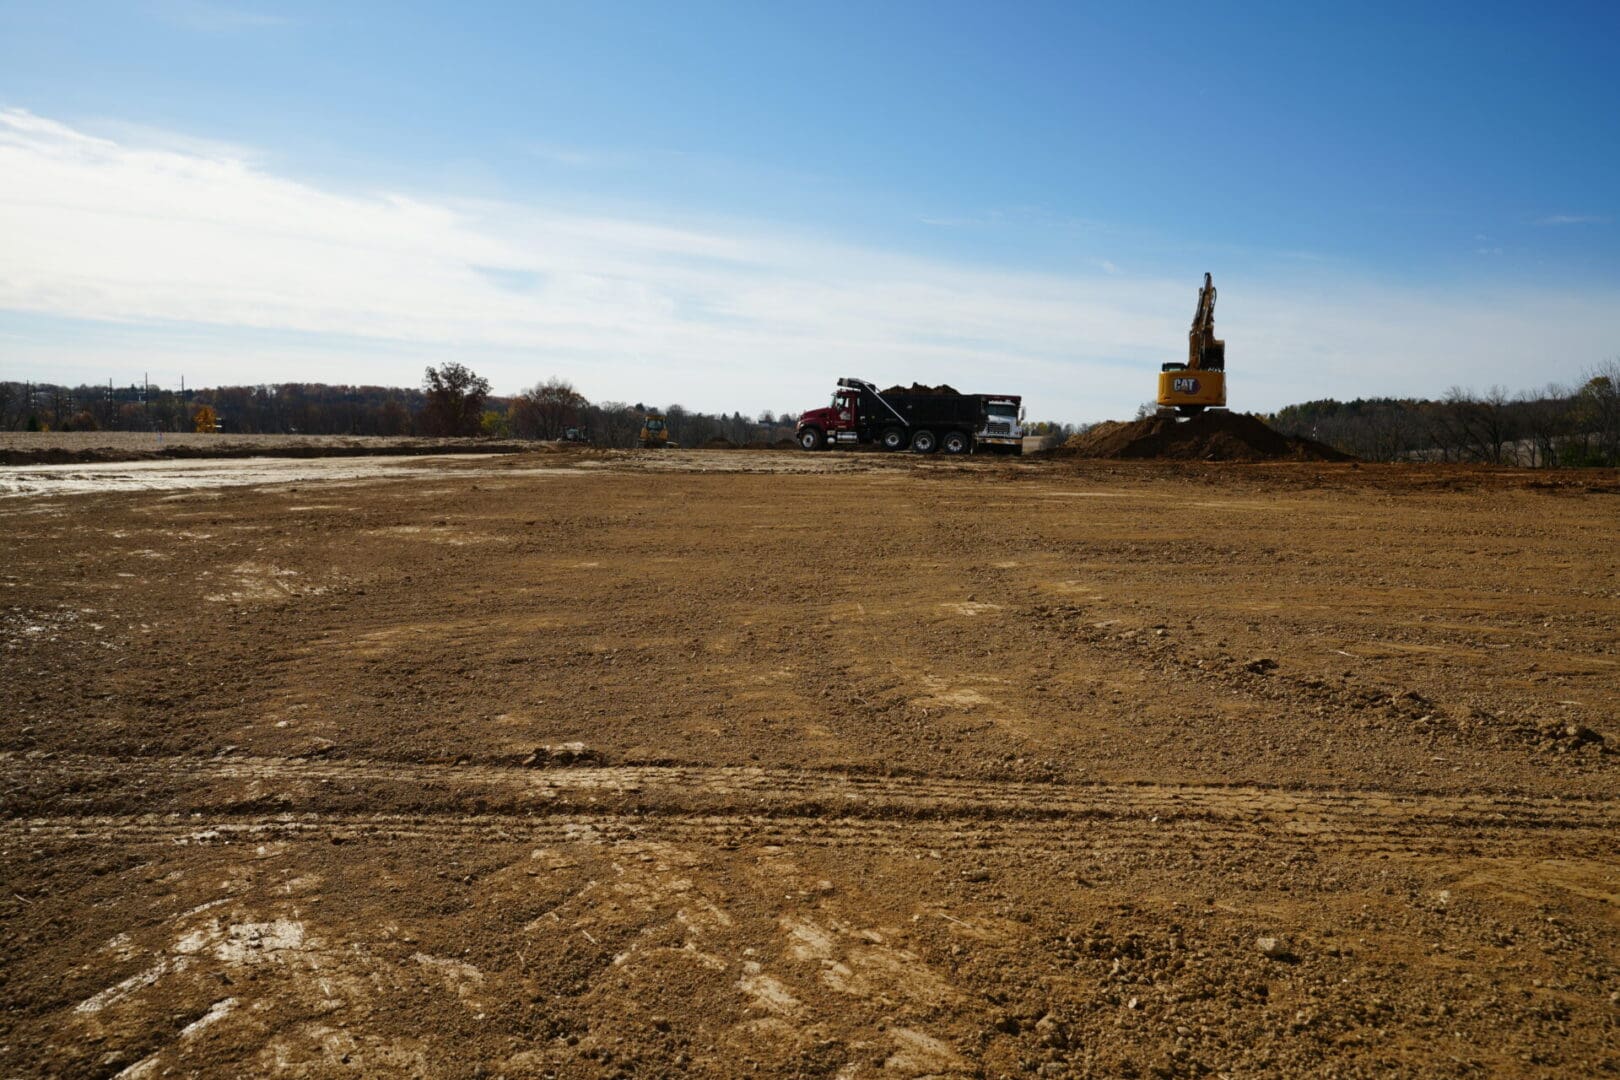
892	439
955	442
812	438
923	442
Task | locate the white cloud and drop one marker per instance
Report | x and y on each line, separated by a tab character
204	257
1573	219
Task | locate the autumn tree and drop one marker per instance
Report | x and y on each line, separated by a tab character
455	400
204	420
495	424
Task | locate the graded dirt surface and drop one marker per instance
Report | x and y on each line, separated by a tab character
744	763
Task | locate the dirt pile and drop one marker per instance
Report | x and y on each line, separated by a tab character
920	388
1210	436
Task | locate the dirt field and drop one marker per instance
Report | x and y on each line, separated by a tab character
731	763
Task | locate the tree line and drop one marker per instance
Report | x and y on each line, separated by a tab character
285	408
452	401
1553	427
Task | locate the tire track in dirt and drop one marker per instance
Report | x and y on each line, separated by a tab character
1035	839
717	804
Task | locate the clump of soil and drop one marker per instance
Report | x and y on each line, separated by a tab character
1209	436
921	388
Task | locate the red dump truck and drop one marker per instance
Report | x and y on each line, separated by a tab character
923	419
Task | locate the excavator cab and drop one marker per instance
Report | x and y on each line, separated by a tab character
1200	383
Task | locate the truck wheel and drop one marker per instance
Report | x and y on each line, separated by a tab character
954	442
924	443
893	439
811	438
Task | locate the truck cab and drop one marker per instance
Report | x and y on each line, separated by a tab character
839	422
1003	423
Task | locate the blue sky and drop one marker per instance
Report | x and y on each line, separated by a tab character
731	205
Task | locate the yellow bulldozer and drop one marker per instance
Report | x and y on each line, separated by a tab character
1200	383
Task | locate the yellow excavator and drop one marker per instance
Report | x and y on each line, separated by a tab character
1200	383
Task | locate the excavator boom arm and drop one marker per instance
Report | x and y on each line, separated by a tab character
1204	351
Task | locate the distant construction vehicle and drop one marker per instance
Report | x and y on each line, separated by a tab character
654	432
922	418
1200	383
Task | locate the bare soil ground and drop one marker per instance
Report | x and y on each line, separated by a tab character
733	763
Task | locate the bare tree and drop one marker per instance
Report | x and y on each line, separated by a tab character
1499	426
393	418
547	409
1544	416
614	423
1466	427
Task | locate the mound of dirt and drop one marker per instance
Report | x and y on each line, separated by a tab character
919	388
1210	436
718	443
